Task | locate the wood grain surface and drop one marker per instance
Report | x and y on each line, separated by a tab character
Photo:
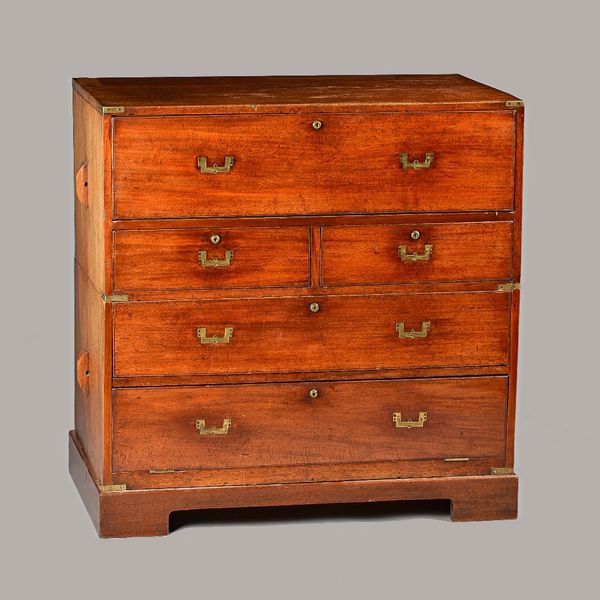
283	166
263	257
368	254
283	335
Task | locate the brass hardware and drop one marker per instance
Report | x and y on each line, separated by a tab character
160	471
416	164
317	124
115	487
82	184
225	168
503	471
415	235
314	307
412	334
515	103
397	418
204	430
115	298
83	371
215	239
509	287
113	110
313	393
214	339
415	256
215	262
460	459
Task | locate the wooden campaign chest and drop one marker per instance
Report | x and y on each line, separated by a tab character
294	290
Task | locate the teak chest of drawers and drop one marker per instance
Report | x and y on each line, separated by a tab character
294	290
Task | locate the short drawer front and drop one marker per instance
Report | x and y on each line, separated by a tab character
280	335
419	252
241	426
216	258
283	165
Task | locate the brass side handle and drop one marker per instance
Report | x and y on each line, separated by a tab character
225	168
412	334
204	430
415	256
82	184
400	424
416	164
214	339
83	371
215	262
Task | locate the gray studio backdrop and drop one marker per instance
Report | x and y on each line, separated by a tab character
545	52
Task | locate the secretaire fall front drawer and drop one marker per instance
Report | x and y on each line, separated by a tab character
313	164
284	335
215	258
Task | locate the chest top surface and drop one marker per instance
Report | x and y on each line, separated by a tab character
198	95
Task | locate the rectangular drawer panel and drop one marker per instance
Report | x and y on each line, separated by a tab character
280	424
282	334
284	166
442	252
185	259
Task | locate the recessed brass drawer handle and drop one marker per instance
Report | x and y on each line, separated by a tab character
416	164
412	334
397	417
225	168
204	430
415	256
214	339
215	262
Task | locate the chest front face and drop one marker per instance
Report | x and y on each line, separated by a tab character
317	295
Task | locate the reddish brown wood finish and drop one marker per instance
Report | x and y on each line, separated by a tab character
282	425
283	335
90	372
369	254
263	257
346	93
146	512
303	208
283	166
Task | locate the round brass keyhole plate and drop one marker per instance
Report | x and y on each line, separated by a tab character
314	307
317	124
415	235
313	393
215	239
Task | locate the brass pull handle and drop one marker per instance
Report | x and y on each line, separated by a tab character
214	339
416	164
204	430
415	256
215	262
83	371
397	417
412	334
81	184
225	168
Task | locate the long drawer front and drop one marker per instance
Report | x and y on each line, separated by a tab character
296	335
313	164
442	424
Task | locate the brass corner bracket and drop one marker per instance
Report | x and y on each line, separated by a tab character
113	110
114	487
515	103
509	287
503	471
115	298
